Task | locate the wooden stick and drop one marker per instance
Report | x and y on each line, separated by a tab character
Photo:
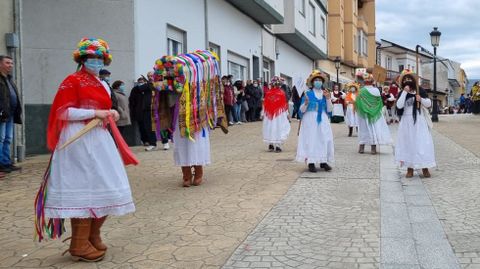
87	128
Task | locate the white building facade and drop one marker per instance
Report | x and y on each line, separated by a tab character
253	38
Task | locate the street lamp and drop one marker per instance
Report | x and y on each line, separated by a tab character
337	66
435	38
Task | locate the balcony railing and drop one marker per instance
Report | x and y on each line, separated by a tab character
393	75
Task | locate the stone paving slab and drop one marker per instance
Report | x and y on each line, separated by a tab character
326	219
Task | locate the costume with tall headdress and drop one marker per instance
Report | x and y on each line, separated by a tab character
86	180
194	77
351	115
276	125
372	127
414	146
315	139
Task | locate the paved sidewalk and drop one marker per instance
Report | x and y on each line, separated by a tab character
323	220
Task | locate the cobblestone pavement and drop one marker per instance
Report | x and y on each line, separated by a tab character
173	227
454	187
327	220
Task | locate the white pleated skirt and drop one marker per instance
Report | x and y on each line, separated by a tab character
87	178
414	146
187	152
376	133
315	141
276	130
351	116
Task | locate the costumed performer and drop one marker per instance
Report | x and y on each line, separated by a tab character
86	180
388	102
351	115
372	127
315	139
414	148
276	123
338	101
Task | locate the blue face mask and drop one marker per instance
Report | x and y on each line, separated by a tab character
94	65
122	88
107	79
317	84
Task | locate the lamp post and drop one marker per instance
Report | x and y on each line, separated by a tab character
435	39
337	66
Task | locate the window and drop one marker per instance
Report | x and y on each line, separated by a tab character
359	41
401	67
175	40
365	45
389	63
216	49
267	70
311	18
355	43
237	71
238	66
323	27
301	7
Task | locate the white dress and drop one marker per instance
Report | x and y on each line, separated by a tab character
276	130
376	133
315	140
414	147
87	178
187	152
351	115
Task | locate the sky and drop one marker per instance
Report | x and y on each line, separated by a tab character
409	22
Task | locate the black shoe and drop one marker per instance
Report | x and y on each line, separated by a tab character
14	168
325	166
312	168
5	169
278	149
271	148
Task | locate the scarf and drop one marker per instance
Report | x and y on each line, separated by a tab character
315	104
275	103
369	106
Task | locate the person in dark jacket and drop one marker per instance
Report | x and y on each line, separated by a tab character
140	103
296	102
10	113
104	75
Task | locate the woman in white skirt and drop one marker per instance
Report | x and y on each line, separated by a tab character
414	148
351	115
372	127
87	179
315	139
338	101
276	123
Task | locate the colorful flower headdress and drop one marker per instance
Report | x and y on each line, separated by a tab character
364	75
277	80
352	84
92	47
407	72
168	74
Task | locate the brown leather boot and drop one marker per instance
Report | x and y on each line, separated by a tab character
373	150
187	175
95	238
198	177
409	173
80	246
361	149
425	172
350	131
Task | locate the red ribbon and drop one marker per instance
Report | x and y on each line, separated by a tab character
127	155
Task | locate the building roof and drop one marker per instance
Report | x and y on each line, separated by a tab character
398	49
